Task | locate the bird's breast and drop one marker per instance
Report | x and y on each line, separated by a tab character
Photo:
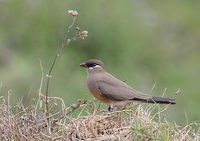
93	88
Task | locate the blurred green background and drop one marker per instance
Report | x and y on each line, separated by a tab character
142	42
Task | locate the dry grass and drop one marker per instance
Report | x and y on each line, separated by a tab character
85	121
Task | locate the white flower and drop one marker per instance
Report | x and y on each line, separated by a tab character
83	34
73	12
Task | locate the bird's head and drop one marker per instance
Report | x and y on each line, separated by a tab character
93	64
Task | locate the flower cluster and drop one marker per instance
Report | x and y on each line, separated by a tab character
81	34
73	13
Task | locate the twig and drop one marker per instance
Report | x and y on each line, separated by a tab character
65	43
40	88
73	107
79	34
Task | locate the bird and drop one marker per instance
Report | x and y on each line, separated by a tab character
112	91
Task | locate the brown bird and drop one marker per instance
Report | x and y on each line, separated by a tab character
113	91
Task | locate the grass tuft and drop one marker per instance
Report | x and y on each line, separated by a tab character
84	120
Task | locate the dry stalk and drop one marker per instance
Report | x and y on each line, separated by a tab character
65	43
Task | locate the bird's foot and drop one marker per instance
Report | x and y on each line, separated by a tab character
110	108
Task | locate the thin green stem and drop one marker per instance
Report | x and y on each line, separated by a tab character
65	43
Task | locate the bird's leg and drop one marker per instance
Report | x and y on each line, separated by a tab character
110	108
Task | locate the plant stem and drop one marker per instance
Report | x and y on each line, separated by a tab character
65	43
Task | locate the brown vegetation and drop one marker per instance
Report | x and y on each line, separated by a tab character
85	121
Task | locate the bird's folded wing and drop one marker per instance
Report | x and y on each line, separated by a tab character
119	90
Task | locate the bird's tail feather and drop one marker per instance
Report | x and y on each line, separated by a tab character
155	99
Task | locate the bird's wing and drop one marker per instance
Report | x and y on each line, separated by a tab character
116	89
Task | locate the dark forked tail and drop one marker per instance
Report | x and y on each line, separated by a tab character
155	99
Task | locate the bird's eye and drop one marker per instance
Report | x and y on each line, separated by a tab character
91	65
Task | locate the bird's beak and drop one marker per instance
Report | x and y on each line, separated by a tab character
83	65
